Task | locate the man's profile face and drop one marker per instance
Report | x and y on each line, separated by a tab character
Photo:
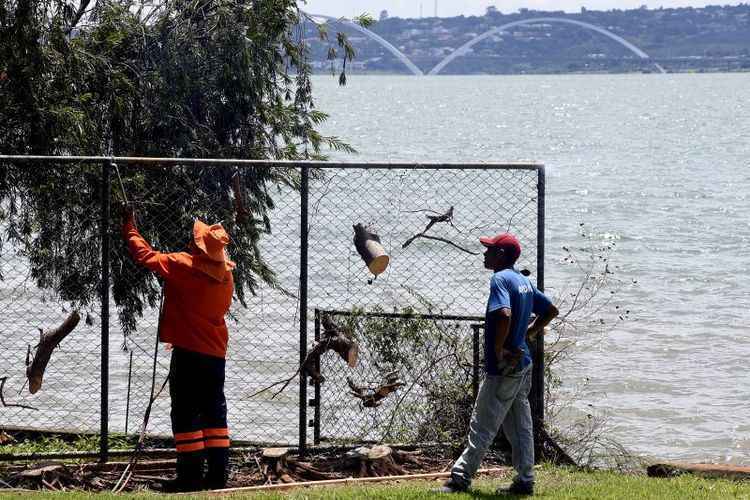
492	258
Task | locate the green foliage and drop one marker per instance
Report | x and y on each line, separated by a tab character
61	443
220	79
434	360
365	20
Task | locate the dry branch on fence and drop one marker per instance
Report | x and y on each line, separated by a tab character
444	240
9	405
334	338
47	343
435	219
372	396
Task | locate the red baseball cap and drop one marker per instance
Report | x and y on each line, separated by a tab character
506	241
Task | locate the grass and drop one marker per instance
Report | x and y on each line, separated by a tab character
54	443
552	483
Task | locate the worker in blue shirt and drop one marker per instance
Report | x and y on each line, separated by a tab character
503	397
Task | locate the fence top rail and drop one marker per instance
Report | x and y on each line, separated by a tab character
197	162
415	316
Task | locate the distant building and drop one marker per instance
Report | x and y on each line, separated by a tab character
383	15
491	11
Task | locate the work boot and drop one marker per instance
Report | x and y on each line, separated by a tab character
189	474
452	486
217	471
176	486
517	487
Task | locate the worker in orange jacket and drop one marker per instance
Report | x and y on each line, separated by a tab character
197	295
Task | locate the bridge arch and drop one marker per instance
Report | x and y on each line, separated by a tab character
463	48
374	36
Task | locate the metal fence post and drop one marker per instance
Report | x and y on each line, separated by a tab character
537	391
304	195
315	403
104	301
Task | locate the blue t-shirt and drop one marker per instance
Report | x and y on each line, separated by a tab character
511	289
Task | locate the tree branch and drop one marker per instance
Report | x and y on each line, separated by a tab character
437	238
11	405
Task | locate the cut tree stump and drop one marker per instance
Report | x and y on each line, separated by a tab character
377	461
275	466
47	343
279	467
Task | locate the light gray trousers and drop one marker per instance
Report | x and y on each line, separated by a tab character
502	400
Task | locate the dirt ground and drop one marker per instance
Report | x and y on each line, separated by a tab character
255	467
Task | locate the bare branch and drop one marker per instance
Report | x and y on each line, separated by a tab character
437	238
11	405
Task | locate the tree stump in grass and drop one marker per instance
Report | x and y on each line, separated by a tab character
377	461
279	466
275	465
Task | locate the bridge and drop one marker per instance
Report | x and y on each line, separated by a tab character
465	48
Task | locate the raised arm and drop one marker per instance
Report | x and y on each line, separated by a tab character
140	250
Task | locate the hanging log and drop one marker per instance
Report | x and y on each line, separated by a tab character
47	343
367	243
372	397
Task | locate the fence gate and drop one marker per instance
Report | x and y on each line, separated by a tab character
433	291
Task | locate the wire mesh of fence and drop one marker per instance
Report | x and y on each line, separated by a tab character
433	270
429	222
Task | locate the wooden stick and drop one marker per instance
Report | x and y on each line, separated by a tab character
349	480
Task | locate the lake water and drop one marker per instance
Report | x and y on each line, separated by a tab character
658	164
655	164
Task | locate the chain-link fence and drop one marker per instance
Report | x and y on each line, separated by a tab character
100	379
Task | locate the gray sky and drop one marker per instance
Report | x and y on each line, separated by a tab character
448	8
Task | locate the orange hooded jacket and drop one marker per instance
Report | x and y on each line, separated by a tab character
197	295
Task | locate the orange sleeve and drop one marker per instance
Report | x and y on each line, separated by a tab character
142	252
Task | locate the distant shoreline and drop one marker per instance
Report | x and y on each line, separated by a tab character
541	73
